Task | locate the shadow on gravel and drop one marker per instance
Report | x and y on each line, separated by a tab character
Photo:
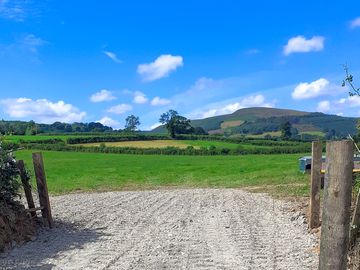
49	244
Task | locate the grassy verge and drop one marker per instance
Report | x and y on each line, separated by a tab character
72	171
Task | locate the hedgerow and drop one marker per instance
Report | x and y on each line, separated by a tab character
212	150
117	138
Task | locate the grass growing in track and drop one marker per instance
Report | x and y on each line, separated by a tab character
72	171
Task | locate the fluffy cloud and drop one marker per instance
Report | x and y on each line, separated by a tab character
355	23
160	68
300	44
250	101
102	95
140	98
112	56
42	110
353	101
107	121
157	101
120	109
320	87
323	106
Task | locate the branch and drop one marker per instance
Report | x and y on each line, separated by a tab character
349	80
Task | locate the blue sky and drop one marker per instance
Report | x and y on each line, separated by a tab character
103	60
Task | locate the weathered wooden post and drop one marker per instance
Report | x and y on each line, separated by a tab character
42	188
316	162
335	226
27	186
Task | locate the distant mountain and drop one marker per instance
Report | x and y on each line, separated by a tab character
267	121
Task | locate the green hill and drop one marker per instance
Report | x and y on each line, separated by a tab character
258	120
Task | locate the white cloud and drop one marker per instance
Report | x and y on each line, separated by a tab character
155	126
160	68
300	44
157	101
25	47
12	10
32	42
102	95
323	106
112	56
120	109
355	23
250	101
140	98
353	101
42	110
252	51
107	121
320	87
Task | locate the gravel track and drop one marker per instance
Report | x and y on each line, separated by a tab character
169	229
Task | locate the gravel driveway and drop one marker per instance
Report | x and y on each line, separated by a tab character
169	229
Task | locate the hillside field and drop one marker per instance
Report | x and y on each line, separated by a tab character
72	171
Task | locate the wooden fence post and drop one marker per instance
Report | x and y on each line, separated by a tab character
42	188
335	226
316	162
27	186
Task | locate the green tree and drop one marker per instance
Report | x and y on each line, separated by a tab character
132	123
31	129
286	130
175	123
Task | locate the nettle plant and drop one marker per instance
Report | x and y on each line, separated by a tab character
349	80
9	176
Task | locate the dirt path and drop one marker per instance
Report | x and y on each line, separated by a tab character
169	229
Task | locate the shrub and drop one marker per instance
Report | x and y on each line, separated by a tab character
9	176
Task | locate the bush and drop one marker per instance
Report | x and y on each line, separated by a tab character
9	176
212	150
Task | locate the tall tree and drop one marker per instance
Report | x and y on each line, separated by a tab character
132	123
286	130
175	123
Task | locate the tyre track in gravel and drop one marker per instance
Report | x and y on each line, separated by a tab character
169	229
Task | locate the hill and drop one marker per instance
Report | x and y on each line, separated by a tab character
267	121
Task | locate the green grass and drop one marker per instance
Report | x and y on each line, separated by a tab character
17	138
315	133
167	143
72	171
177	143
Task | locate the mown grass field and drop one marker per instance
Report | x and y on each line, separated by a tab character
73	171
174	143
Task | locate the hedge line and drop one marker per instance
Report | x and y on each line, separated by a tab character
135	137
168	150
142	137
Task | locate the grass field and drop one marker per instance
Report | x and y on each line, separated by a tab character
197	144
71	171
272	134
17	138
